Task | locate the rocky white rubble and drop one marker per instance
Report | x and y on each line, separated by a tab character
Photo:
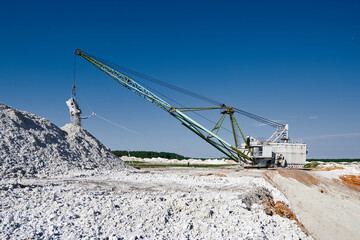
31	145
142	205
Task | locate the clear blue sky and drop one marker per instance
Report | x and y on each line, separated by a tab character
297	62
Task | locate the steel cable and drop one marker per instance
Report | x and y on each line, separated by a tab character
184	91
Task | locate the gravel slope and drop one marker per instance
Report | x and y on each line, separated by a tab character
171	204
327	207
33	146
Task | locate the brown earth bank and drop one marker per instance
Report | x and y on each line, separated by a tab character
352	181
281	209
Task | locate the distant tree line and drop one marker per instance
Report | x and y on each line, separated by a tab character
149	154
334	160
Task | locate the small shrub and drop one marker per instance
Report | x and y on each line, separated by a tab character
311	165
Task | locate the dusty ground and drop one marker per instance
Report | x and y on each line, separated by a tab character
181	203
328	208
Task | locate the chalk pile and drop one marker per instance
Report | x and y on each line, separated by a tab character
33	146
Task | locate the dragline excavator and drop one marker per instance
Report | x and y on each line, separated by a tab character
275	151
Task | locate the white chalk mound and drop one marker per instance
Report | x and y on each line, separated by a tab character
32	145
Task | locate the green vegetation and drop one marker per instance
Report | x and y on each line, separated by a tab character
333	160
311	165
149	154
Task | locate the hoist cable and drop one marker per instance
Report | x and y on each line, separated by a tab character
73	94
184	91
196	113
257	118
157	81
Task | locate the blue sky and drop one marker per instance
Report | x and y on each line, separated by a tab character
297	62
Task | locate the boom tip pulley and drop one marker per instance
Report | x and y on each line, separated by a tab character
78	52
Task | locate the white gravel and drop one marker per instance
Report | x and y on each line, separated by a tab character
142	205
33	146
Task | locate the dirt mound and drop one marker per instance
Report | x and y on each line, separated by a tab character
31	145
352	181
300	176
327	168
279	208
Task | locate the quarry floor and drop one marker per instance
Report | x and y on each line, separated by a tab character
327	208
180	203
